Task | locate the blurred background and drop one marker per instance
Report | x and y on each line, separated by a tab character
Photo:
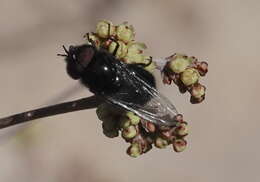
223	144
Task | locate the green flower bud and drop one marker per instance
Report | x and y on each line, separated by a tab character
136	48
161	143
102	29
190	76
179	145
125	122
151	67
182	129
134	58
121	51
194	100
129	132
198	91
125	32
134	119
134	150
179	63
134	53
95	38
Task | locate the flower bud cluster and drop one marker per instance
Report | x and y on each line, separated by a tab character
185	72
107	36
141	134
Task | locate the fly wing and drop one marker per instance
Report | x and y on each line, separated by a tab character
158	109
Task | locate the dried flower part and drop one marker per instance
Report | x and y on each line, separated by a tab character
179	118
125	32
150	127
134	150
179	145
104	29
202	67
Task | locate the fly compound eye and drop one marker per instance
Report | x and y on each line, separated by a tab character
85	56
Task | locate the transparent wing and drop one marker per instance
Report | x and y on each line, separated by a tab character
158	109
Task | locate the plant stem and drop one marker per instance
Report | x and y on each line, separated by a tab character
76	105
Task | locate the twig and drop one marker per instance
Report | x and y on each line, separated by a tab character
76	105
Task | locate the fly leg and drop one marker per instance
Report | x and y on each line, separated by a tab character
90	40
117	46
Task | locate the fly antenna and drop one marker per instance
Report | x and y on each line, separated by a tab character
66	51
63	55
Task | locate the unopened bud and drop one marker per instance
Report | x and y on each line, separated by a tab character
179	63
179	145
94	38
129	132
136	48
134	150
134	119
198	91
134	58
125	32
190	76
124	122
182	129
104	29
161	143
121	51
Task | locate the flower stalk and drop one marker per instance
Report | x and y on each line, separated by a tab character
76	105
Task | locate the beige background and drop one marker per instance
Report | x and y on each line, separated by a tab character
224	137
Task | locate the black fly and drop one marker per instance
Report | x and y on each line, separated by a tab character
129	86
